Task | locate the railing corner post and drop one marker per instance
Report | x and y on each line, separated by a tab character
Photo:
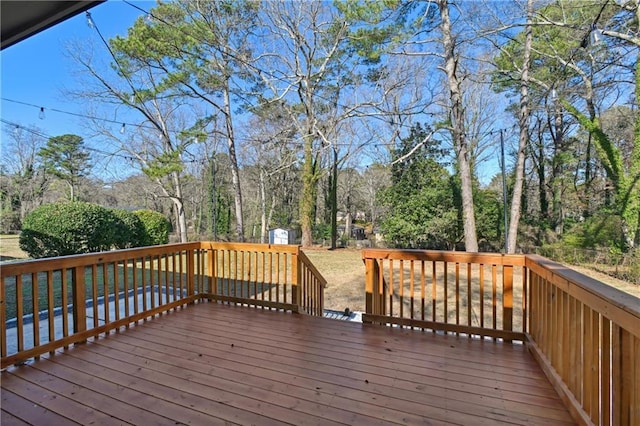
371	287
296	291
507	297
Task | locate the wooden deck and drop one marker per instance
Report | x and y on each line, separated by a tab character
209	364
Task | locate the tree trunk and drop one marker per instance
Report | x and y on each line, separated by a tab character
308	199
235	173
558	184
72	192
334	199
516	199
263	209
459	139
179	205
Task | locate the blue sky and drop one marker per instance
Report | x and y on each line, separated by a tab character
37	70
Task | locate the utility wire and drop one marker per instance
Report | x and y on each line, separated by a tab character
75	114
46	136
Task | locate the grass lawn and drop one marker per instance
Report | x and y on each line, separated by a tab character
10	249
344	271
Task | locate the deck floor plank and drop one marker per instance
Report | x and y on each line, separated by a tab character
212	363
483	366
28	411
9	419
130	406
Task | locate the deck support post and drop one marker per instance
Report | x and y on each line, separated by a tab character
373	297
296	272
79	300
213	282
507	298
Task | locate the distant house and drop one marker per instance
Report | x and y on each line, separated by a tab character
282	236
357	232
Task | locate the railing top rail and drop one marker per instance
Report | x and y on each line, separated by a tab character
62	262
614	304
267	248
312	268
71	261
445	256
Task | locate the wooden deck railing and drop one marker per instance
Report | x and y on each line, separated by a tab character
468	293
52	303
310	294
586	337
584	334
278	276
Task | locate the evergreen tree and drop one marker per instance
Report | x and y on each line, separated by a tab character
66	158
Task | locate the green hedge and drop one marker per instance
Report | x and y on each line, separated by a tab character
67	228
130	231
76	227
156	227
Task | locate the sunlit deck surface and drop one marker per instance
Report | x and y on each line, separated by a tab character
211	363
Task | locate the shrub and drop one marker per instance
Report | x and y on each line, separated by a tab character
67	228
129	231
156	227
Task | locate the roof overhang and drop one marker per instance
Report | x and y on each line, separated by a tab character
22	19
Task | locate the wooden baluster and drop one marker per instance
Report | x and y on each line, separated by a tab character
525	299
152	284
382	297
446	294
3	319
401	288
481	278
35	310
116	289
594	373
20	312
434	292
278	277
494	296
270	277
94	294
106	292
50	308
422	289
469	296
212	269
587	359
618	397
457	271
167	281
174	270
606	373
190	274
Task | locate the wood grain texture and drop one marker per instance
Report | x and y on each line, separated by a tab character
211	363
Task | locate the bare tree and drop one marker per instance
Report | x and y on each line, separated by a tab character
161	137
456	116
